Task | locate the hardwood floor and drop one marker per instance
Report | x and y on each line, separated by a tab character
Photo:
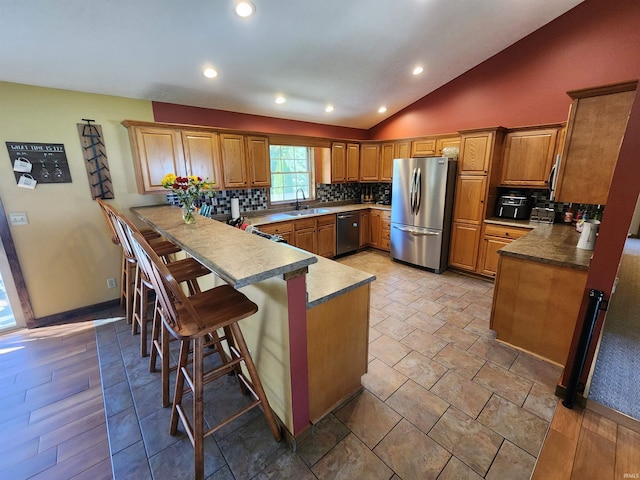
52	421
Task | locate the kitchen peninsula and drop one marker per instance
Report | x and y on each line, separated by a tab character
539	287
309	338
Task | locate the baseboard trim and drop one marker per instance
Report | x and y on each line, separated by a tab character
618	417
74	316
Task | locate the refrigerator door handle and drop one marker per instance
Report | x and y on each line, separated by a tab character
411	189
416	231
418	190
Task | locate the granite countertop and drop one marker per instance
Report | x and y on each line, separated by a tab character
241	258
554	244
264	217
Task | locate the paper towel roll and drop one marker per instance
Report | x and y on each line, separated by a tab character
235	208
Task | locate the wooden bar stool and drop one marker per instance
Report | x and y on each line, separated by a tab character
192	320
185	270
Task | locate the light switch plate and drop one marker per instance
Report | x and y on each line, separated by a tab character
18	218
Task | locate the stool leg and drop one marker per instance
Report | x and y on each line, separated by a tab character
155	338
123	282
198	407
179	389
135	306
255	379
129	291
166	366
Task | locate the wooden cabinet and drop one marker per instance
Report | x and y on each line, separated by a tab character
327	236
528	157
469	202
345	163
596	125
284	229
234	161
369	162
387	154
305	234
475	153
402	149
464	246
365	228
352	163
258	161
245	161
158	150
380	229
425	147
447	142
376	228
494	238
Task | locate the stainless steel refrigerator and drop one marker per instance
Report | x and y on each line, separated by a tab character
421	210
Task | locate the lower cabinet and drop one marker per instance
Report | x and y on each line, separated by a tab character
494	238
385	231
465	239
365	228
284	229
327	236
305	234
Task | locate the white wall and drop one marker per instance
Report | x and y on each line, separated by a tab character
65	251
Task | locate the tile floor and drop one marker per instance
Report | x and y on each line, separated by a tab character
442	398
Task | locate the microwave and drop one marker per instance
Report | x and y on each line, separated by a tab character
513	206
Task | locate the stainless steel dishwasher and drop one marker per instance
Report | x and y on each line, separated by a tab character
348	232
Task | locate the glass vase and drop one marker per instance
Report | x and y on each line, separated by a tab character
189	213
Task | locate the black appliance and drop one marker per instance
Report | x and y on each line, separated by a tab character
517	207
348	232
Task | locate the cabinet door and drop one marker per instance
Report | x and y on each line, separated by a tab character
475	153
234	161
369	158
159	151
385	231
376	228
528	156
594	133
201	155
352	162
327	240
338	162
465	240
447	142
402	150
423	148
489	257
306	239
259	163
387	151
365	228
469	202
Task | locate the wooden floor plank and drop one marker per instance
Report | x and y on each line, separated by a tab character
556	458
627	454
80	442
602	426
67	427
595	457
101	471
567	421
77	463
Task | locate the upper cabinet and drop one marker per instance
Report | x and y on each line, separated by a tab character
158	150
597	122
447	142
338	162
343	165
258	160
352	171
425	147
476	150
369	162
528	157
245	161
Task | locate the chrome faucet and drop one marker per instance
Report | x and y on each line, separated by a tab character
297	201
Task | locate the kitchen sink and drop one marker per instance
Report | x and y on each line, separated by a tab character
306	211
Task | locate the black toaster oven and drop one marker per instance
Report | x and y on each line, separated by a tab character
513	206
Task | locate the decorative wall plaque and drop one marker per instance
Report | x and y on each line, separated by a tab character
48	161
95	156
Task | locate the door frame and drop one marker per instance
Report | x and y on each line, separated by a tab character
16	270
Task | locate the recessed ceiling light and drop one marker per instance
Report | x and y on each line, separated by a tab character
329	109
245	8
280	100
418	70
210	73
382	109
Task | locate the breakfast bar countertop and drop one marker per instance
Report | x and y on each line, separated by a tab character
555	244
237	257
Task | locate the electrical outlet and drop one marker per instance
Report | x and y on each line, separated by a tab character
111	283
18	218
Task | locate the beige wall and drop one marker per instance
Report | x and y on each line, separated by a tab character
65	251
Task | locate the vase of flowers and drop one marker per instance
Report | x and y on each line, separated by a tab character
189	191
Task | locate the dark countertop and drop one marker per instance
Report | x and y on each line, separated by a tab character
554	244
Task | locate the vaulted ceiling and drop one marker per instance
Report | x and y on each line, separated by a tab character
356	55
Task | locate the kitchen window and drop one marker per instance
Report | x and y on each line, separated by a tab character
291	172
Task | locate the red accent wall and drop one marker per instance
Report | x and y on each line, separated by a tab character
596	43
184	114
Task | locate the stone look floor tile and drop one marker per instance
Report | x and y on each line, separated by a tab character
453	290
512	463
402	296
480	327
374	334
388	350
478	311
520	427
460	361
542	401
368	417
399	310
376	316
455	303
411	453
478	298
428	307
420	369
457	470
503	382
535	369
351	459
325	435
382	380
288	465
462	393
427	293
493	351
457	336
455	317
418	405
394	328
424	343
425	322
469	440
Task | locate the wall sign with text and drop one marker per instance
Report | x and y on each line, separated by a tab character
44	162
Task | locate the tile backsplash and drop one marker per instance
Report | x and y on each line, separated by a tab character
251	200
